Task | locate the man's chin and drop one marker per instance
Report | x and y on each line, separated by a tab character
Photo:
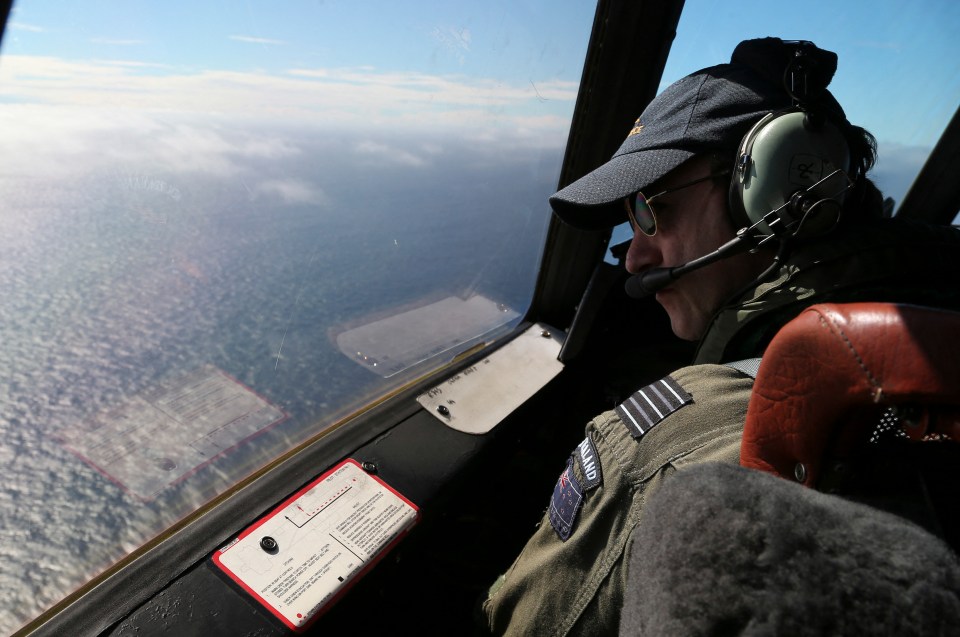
682	325
683	331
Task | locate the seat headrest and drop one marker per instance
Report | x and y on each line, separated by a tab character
829	374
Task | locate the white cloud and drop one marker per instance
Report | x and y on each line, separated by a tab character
353	94
117	42
54	106
135	64
431	149
266	148
454	41
190	148
20	26
255	40
62	140
385	154
292	191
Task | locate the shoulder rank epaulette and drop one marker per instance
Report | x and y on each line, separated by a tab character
651	404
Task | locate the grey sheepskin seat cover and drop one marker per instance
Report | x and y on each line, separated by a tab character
723	550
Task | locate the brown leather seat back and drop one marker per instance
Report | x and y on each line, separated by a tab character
829	375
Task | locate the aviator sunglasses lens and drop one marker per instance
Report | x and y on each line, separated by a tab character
643	215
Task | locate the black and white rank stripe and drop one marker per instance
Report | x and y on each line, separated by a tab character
651	404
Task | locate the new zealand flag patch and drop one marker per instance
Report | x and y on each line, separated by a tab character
565	503
651	404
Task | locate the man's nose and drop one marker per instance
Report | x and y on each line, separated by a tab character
643	253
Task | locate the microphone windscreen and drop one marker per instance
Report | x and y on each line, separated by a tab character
650	282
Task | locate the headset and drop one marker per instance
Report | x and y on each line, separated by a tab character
792	168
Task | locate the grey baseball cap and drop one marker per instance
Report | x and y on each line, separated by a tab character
707	111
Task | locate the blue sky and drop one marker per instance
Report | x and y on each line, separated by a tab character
506	71
435	36
898	73
890	51
899	61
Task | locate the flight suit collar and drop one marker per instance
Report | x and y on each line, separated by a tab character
887	260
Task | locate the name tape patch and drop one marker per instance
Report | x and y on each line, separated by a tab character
589	460
650	405
565	503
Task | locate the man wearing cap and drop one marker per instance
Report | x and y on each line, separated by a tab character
689	175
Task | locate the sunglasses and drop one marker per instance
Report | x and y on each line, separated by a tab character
640	207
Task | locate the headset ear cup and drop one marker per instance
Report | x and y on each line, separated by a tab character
783	154
743	176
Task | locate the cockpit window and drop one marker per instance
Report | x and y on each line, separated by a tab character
226	227
898	74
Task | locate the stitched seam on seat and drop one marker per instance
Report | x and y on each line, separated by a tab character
849	344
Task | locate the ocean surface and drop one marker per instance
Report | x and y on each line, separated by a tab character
135	286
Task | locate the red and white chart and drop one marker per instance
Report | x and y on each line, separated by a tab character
307	551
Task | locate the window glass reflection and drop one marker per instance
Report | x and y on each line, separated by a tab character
222	232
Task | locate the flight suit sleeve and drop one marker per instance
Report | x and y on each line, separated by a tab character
570	577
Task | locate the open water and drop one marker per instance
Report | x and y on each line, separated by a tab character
119	276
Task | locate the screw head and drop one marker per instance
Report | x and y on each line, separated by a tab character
443	410
800	472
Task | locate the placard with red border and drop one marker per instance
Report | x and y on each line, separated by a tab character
303	555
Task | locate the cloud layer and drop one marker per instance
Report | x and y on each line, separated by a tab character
62	117
353	98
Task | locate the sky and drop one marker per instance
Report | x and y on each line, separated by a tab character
351	61
889	49
898	73
493	72
437	37
203	87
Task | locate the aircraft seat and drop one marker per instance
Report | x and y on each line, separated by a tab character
832	374
832	524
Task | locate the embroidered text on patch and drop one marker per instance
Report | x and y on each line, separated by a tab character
651	404
565	503
589	461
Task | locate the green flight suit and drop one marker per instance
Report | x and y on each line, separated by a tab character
560	587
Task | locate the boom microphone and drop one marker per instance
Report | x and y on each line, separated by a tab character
646	283
641	285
